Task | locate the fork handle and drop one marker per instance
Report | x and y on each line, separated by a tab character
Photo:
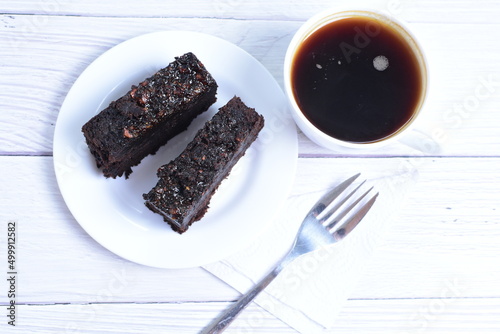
223	321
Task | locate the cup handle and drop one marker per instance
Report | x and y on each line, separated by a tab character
421	141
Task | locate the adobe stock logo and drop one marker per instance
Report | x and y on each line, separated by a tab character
361	40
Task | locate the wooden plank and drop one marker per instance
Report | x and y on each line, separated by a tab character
462	11
45	59
44	62
52	247
451	236
176	318
444	221
440	315
392	316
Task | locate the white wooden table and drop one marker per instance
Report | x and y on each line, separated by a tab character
439	270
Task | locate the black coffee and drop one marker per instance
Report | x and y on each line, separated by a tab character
357	80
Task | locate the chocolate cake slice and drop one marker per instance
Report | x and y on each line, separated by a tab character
187	183
151	113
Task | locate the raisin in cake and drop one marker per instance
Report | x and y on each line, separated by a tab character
151	113
187	183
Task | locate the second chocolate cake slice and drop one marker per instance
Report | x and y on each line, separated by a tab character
187	183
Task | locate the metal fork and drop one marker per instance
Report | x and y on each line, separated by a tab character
317	230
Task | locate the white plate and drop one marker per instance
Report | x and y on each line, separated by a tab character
112	211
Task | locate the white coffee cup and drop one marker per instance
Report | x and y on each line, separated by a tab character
312	25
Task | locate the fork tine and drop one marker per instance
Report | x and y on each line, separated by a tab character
324	201
348	226
346	210
326	214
